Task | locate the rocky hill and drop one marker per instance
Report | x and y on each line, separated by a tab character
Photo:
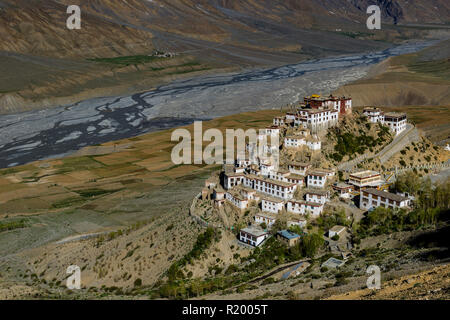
44	64
39	26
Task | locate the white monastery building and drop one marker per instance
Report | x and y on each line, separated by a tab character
318	196
265	218
394	120
372	198
252	236
272	205
366	178
303	207
316	179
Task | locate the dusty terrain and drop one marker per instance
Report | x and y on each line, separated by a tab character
120	212
431	284
414	83
415	79
61	130
46	64
133	213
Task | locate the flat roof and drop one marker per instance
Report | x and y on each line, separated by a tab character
244	188
288	234
254	231
316	173
295	176
295	136
314	111
365	174
299	164
342	185
371	109
275	182
235	194
333	263
385	194
271	199
316	191
307	203
337	228
265	216
395	114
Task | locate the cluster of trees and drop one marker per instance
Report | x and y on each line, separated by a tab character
350	144
428	195
274	252
11	225
204	241
431	205
327	220
264	258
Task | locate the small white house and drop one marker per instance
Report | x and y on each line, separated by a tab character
373	114
318	196
336	230
278	121
314	144
303	207
272	205
316	179
372	198
290	116
344	190
299	168
265	218
272	130
294	141
249	194
237	200
395	121
243	162
297	222
252	236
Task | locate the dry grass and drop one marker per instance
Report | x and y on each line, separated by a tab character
143	164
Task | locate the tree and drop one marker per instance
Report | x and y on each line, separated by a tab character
296	229
408	182
310	244
280	224
138	282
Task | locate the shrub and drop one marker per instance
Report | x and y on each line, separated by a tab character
138	282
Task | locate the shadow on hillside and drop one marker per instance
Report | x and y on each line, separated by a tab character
436	239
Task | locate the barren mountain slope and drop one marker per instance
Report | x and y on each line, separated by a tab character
38	27
216	33
422	78
432	284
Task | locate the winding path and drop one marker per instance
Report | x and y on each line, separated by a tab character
410	134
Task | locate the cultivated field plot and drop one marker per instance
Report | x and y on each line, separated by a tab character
143	165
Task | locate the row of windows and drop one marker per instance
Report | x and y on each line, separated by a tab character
249	237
